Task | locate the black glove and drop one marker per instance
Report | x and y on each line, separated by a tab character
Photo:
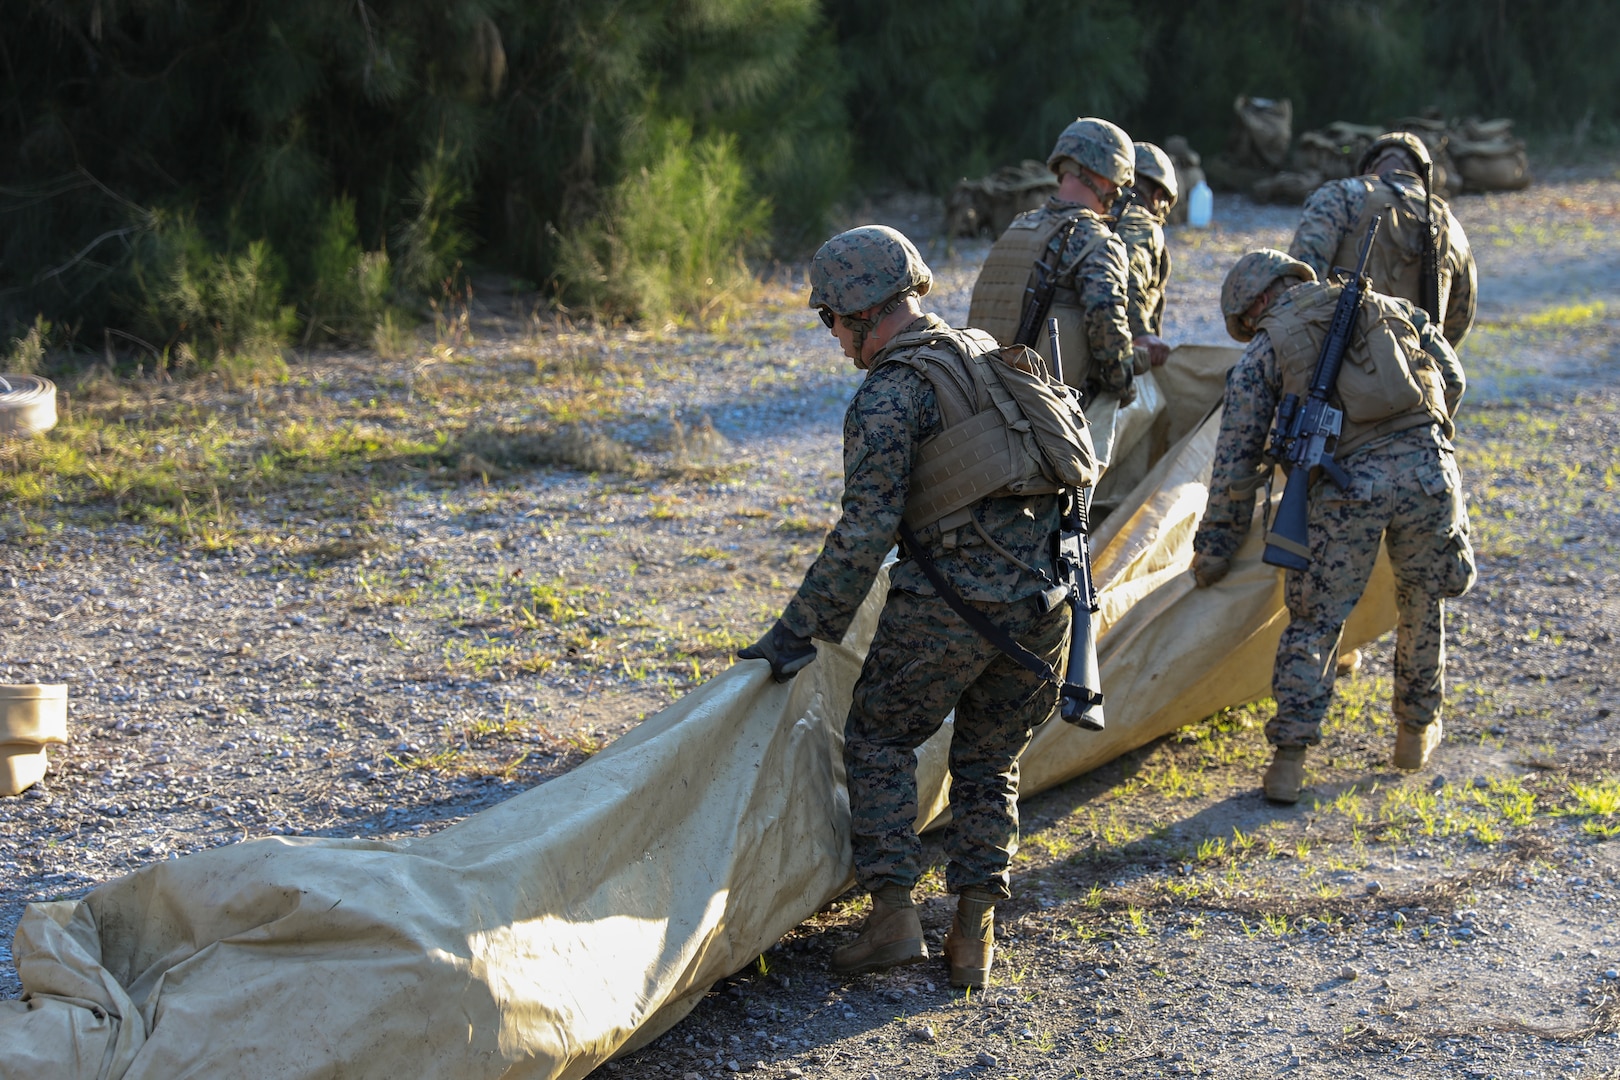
786	651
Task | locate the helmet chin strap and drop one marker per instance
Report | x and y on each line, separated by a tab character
1085	176
859	328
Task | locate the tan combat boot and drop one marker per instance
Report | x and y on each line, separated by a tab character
1348	663
1412	748
1285	776
970	943
891	936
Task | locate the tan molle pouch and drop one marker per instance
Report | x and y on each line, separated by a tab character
1458	571
1071	338
1376	380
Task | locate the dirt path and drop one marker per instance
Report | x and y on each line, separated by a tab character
382	666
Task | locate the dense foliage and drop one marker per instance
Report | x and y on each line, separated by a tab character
225	176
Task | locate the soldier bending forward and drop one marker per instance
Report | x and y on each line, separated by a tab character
1398	388
924	659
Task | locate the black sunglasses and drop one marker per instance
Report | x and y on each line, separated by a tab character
827	316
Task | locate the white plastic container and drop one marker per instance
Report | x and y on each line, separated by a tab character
32	715
27	405
1200	206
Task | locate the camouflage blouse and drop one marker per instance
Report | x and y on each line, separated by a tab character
1147	267
1253	388
893	411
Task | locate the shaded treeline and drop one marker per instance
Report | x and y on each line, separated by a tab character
213	174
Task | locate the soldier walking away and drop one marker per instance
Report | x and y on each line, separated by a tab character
924	659
1398	388
1431	267
1072	237
1141	226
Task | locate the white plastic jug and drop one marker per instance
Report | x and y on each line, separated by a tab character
1200	206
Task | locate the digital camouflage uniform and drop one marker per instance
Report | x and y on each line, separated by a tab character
1147	269
1405	489
1092	280
1335	208
924	660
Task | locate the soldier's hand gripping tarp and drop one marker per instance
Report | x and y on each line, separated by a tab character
539	937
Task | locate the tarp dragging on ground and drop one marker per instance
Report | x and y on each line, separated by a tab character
541	936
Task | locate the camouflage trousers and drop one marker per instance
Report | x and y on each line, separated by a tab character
924	661
1407	493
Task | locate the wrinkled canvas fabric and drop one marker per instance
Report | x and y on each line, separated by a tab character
588	915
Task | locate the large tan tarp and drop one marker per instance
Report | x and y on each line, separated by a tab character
539	937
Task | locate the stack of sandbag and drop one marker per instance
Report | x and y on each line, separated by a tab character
1487	156
1474	155
1262	130
1286	186
1189	174
988	205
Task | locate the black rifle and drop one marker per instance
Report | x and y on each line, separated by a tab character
1306	433
1128	196
1430	300
1082	698
1038	293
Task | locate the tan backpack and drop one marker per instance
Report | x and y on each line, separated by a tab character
1387	381
1396	262
1009	427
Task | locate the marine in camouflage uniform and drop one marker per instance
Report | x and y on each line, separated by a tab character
1093	160
1405	491
1334	220
1141	228
924	659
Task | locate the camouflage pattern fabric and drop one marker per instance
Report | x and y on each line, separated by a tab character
1147	269
1098	285
1098	145
862	267
924	660
893	411
1336	206
1405	490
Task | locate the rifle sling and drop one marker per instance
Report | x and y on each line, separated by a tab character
1290	546
975	618
1040	302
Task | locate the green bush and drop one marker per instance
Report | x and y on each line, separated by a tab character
432	240
349	287
670	242
27	353
211	308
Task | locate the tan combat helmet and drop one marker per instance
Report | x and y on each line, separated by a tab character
1397	140
1249	277
1155	165
1096	144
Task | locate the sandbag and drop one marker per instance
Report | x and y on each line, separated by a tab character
1262	133
1499	164
1335	150
988	205
1287	186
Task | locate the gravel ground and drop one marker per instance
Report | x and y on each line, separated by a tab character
384	674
